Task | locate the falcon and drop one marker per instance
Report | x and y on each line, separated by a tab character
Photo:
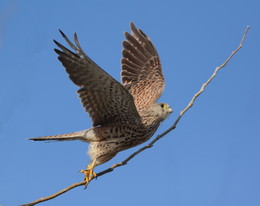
123	115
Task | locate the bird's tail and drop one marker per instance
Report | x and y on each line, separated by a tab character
62	137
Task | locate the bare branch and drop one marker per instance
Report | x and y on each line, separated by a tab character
202	89
43	199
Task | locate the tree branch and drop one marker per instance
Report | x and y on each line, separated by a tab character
202	89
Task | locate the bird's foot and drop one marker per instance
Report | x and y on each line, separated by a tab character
89	173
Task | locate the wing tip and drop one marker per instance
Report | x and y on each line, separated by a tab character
133	27
62	34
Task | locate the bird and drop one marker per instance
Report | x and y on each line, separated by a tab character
123	115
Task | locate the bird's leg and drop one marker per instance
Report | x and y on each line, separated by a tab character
89	173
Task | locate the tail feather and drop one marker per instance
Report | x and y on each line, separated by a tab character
62	137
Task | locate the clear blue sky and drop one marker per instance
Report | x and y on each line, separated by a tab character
212	158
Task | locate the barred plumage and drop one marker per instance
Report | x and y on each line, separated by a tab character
123	115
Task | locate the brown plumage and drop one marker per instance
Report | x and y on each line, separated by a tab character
125	115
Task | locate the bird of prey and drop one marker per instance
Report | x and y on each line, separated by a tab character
123	115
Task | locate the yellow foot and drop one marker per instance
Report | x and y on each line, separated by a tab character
89	173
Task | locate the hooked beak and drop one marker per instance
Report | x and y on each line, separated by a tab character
169	110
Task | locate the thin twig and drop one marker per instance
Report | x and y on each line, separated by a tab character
202	89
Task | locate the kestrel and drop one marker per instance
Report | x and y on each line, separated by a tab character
123	115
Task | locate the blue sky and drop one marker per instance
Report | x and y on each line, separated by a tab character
211	158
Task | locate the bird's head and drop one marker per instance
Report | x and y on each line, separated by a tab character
156	113
162	110
165	109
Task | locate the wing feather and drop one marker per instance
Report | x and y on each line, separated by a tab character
104	98
141	68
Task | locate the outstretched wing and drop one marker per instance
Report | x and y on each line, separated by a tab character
104	98
141	68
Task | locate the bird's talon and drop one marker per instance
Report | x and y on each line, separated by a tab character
89	175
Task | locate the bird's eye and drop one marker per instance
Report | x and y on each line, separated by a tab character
163	106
